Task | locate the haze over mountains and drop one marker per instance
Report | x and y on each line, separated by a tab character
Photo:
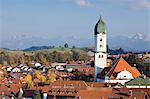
138	42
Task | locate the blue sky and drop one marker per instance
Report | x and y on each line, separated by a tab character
72	18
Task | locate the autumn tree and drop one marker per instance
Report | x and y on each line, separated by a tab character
54	56
45	57
28	80
61	57
41	57
51	76
2	57
1	66
84	56
66	56
75	55
41	77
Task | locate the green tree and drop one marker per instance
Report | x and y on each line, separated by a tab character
37	95
66	45
132	59
73	47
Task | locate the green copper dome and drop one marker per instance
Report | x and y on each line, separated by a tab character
100	27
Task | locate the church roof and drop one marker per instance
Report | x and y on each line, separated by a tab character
122	65
100	27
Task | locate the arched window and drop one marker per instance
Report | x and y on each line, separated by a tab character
99	56
101	46
101	39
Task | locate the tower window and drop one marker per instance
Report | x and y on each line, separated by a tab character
99	56
101	39
100	45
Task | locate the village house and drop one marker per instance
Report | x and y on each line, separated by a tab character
120	72
108	79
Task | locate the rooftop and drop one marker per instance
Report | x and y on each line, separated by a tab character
122	65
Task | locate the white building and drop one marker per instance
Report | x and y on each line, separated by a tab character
119	72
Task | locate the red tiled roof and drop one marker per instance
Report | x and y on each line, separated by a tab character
97	93
90	70
8	88
68	83
121	65
63	74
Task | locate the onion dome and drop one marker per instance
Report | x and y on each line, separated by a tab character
100	27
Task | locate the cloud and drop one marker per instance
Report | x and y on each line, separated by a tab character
140	4
82	3
144	3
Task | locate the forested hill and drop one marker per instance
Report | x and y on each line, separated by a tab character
35	48
64	49
45	56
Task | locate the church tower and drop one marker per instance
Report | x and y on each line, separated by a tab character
100	55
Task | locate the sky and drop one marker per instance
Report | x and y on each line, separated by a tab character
72	18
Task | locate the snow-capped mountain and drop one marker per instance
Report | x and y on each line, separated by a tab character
137	42
140	36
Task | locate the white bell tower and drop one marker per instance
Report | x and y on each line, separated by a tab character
100	55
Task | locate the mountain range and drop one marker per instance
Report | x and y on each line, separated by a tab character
138	42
